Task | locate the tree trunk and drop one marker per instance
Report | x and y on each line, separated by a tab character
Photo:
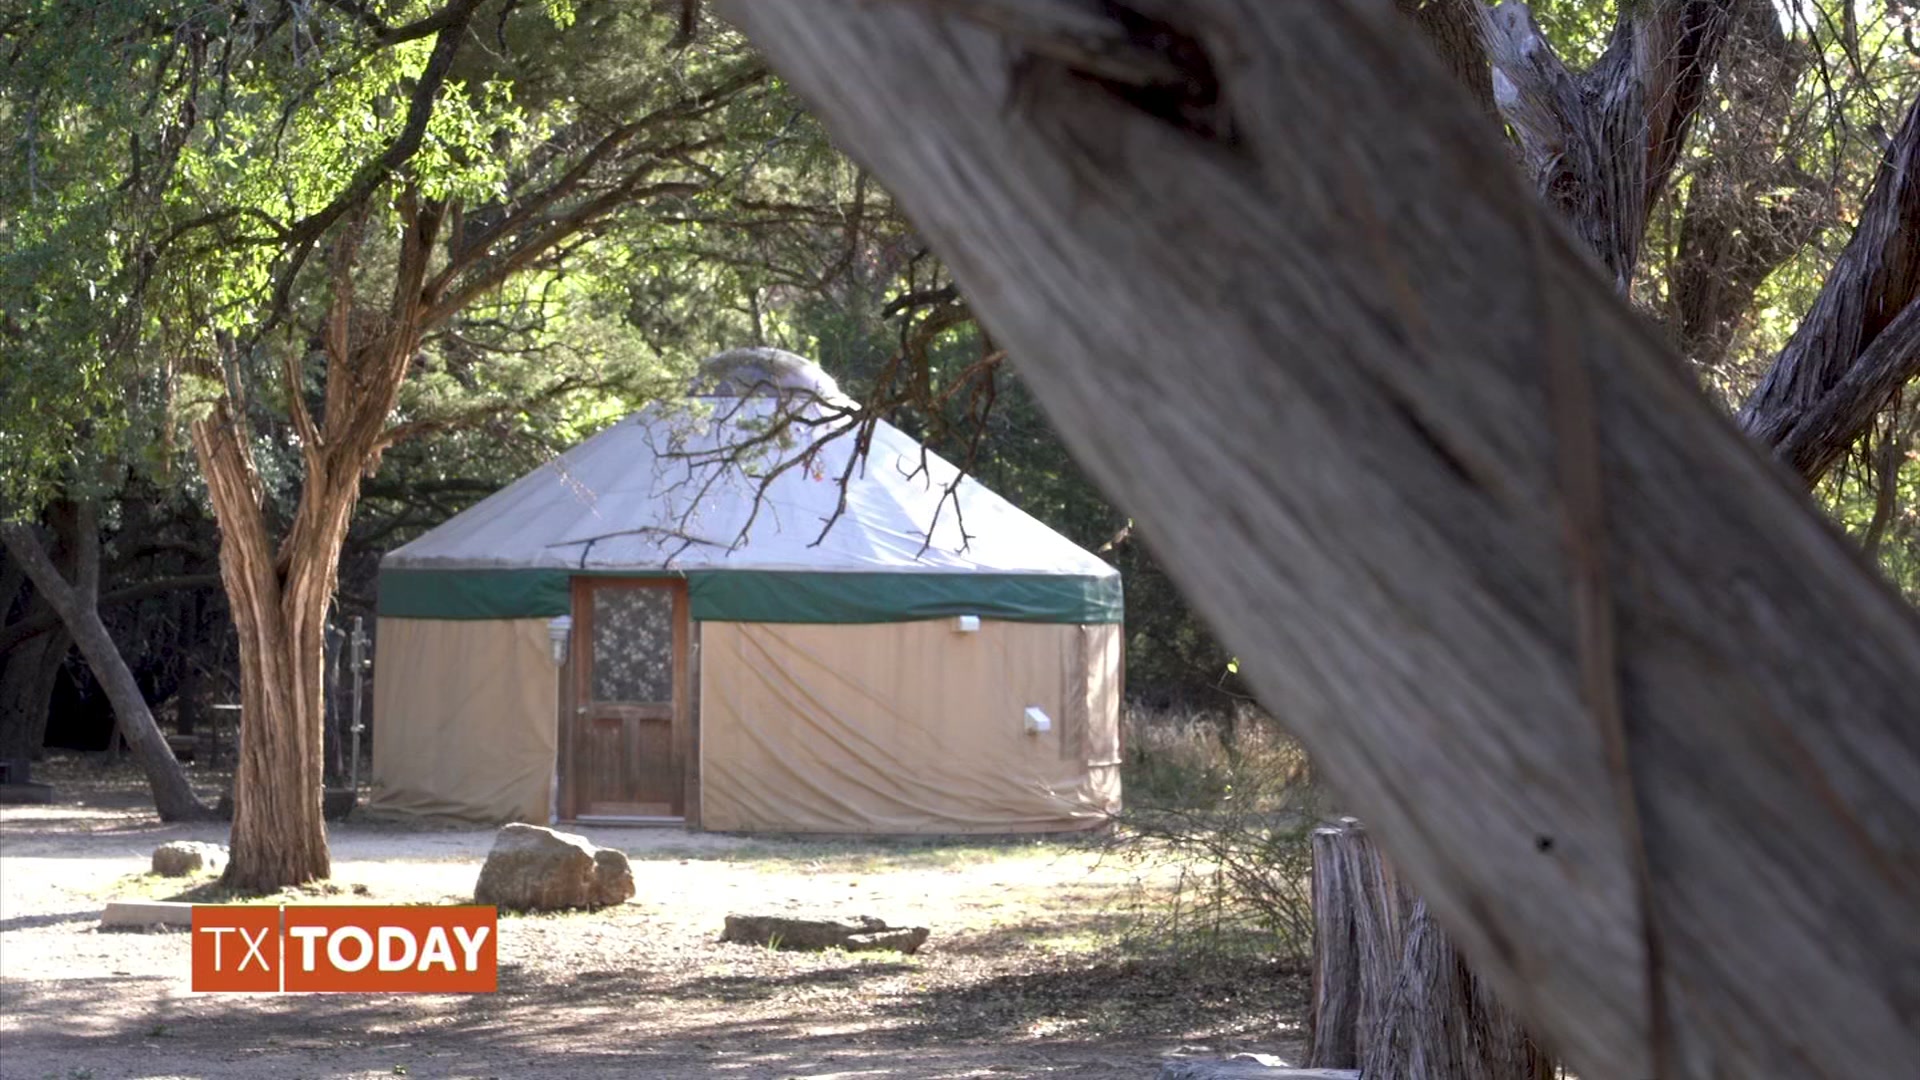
280	594
76	602
1601	144
27	675
1631	718
35	623
29	668
1390	995
1333	1022
279	835
187	702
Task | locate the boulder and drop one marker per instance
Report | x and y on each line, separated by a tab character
864	934
532	868
178	858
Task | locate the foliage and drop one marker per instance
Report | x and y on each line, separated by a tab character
165	241
72	259
1221	803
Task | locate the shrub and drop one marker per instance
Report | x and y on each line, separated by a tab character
1220	808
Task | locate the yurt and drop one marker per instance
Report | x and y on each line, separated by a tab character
718	612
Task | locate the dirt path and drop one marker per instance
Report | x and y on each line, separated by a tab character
1024	975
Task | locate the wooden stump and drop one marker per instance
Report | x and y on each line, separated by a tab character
1391	996
864	934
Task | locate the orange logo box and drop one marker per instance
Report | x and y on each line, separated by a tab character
236	948
347	949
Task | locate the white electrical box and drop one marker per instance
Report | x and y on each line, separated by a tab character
558	629
1037	720
967	624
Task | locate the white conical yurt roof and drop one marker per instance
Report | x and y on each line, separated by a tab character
724	480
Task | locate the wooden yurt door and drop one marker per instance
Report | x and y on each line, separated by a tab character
628	741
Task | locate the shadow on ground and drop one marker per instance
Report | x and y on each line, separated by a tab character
843	1014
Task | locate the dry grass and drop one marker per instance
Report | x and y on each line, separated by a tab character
1037	965
1220	808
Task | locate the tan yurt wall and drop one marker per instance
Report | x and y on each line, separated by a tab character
908	727
464	715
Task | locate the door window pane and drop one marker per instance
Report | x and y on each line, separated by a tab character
633	645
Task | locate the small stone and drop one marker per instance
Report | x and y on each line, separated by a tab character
612	877
178	858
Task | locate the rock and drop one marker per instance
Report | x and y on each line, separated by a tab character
178	858
1247	1067
612	876
864	934
532	868
146	914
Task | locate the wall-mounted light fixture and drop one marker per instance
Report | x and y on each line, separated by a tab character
967	624
559	628
1037	720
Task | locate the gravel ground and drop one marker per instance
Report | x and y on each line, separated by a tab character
1027	972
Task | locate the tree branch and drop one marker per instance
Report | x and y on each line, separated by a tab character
449	24
1202	320
529	210
1871	288
1601	144
20	631
1821	434
1453	29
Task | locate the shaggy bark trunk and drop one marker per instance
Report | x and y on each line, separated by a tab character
280	597
1888	460
1861	341
1378	956
1453	29
279	836
76	603
1631	717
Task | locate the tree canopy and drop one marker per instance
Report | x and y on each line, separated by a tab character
328	272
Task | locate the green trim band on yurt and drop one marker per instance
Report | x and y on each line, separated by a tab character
762	596
710	613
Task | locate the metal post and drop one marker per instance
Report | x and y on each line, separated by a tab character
213	754
359	641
